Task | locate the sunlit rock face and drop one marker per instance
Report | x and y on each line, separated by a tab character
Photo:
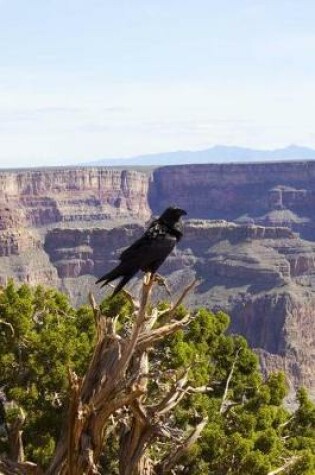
272	194
251	242
76	195
21	253
14	238
32	201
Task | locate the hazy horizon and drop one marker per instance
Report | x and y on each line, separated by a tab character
86	81
215	155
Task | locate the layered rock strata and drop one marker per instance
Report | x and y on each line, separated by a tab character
264	277
272	194
256	268
21	253
76	195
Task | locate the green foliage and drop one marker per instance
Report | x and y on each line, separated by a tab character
41	336
300	433
249	437
119	305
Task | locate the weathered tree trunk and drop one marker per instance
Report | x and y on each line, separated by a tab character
135	438
117	380
15	439
115	388
104	389
8	467
147	423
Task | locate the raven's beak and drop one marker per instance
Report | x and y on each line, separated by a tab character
183	212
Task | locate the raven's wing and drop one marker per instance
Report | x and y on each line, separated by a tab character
143	242
148	252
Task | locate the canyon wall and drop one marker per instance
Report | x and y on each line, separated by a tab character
262	276
32	201
272	194
22	256
76	195
255	258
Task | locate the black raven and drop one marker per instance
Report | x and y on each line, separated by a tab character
149	251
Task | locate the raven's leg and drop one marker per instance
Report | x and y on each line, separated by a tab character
147	278
151	269
157	277
155	265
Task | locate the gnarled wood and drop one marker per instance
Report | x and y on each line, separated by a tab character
115	388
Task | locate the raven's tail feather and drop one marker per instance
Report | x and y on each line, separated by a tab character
115	274
112	275
122	284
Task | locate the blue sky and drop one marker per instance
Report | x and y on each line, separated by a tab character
85	80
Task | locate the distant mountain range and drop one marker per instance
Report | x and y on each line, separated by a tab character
217	154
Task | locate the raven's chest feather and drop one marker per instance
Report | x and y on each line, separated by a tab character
163	231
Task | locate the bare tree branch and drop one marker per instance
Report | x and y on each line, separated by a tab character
162	281
288	464
174	396
148	339
7	324
175	455
7	467
139	323
167	314
198	390
15	435
228	381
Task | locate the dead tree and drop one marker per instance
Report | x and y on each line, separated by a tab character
116	386
114	391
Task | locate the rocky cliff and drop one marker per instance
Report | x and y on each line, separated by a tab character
264	277
21	253
272	194
76	195
65	227
31	201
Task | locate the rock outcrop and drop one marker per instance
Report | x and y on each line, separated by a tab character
21	253
33	200
271	194
76	195
14	237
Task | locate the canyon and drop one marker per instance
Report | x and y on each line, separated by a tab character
249	239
